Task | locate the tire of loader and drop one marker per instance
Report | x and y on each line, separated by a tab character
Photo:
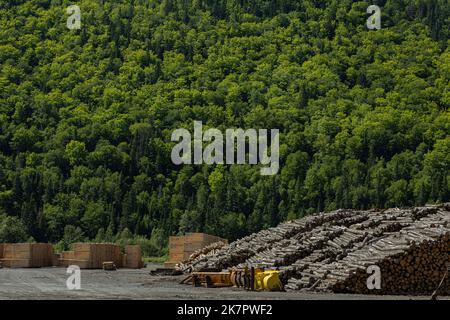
246	281
252	279
233	278
196	281
208	282
239	279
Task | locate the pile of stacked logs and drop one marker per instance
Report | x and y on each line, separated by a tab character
333	251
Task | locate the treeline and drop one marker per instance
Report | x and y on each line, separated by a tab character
86	116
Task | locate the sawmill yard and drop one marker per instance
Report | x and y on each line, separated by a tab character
50	283
331	255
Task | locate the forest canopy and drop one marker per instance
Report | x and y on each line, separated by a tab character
86	115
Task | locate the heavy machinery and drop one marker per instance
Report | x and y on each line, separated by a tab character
256	279
253	279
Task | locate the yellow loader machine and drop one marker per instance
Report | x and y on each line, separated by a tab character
256	279
253	279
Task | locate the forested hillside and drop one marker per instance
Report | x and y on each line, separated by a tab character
86	115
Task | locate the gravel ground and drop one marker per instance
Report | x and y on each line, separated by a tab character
50	284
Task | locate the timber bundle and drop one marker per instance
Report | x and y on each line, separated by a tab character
332	251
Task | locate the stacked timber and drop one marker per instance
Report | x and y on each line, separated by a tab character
124	260
182	247
41	255
27	255
133	257
332	251
55	259
67	255
92	255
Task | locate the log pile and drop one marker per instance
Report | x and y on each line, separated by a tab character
332	251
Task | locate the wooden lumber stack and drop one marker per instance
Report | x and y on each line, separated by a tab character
17	255
79	256
182	247
56	259
84	255
133	258
118	256
68	255
332	251
27	255
41	255
92	255
101	252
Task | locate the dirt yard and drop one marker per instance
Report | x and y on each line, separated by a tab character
50	283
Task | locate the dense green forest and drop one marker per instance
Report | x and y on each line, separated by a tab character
86	115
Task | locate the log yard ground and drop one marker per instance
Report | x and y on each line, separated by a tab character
50	283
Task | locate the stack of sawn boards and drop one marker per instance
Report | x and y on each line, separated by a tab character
26	255
92	256
84	255
181	247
